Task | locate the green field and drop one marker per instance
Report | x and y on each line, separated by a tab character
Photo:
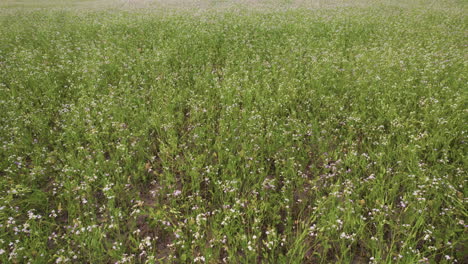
140	131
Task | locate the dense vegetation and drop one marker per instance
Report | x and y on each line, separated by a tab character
267	134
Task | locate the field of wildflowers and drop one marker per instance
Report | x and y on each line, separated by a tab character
233	132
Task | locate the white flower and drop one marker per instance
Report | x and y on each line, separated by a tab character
199	259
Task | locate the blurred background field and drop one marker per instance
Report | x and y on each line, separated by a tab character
206	4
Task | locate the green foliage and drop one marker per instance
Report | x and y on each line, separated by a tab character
274	134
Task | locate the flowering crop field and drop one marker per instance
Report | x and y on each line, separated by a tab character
144	131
